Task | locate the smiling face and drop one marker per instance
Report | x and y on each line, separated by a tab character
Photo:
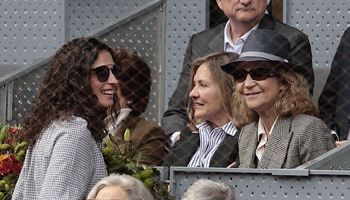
243	11
104	91
206	98
261	95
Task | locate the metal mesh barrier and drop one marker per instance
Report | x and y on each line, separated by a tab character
336	159
325	23
136	31
24	91
142	35
160	33
267	184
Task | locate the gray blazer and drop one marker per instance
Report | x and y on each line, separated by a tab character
293	141
212	40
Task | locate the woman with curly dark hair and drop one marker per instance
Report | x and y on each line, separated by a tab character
66	125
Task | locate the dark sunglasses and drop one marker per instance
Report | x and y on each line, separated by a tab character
257	74
102	72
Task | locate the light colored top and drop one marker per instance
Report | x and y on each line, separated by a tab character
235	46
65	163
112	127
262	137
209	141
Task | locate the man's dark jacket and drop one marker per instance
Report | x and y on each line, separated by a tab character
334	102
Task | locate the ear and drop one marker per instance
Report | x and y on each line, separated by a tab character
219	3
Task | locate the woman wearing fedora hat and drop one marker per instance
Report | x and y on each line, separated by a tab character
273	106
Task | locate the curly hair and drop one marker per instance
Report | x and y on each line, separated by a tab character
294	99
134	80
224	80
66	91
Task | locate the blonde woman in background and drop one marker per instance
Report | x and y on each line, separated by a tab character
211	138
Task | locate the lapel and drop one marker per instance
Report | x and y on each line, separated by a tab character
276	149
226	153
216	43
267	22
248	146
185	148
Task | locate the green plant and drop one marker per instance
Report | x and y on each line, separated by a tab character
123	158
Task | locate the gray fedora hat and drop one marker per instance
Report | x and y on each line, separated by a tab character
263	45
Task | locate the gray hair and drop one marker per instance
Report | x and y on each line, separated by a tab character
135	189
205	189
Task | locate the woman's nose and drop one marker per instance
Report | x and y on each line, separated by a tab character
193	93
249	82
112	79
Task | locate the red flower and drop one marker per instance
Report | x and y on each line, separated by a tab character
10	140
9	164
12	130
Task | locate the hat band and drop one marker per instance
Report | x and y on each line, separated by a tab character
262	55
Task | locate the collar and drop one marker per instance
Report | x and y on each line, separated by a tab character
227	36
261	129
123	114
228	128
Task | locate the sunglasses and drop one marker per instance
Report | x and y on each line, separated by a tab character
102	72
257	74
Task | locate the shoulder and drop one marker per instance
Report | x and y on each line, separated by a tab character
188	137
72	130
247	132
250	127
209	33
187	132
291	33
304	119
144	123
69	137
347	32
345	38
308	125
142	126
312	130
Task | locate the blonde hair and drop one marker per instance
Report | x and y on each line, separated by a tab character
135	189
224	81
294	99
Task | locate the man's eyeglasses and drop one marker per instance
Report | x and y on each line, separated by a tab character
257	74
102	72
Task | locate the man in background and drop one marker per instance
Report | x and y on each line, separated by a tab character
334	101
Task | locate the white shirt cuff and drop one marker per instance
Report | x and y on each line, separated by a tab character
174	138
